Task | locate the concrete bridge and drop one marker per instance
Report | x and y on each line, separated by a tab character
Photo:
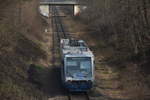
47	3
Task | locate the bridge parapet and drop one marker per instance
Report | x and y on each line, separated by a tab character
59	2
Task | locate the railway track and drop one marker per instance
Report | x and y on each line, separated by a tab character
58	33
59	29
78	96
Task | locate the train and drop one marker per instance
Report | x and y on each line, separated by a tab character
77	71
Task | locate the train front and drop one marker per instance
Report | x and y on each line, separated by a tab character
79	72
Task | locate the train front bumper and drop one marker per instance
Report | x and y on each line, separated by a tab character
78	86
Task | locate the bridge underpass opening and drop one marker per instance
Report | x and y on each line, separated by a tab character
72	10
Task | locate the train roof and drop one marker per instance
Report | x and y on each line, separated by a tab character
72	47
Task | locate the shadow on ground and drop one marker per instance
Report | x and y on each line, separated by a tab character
46	79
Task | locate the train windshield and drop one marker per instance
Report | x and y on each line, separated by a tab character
79	66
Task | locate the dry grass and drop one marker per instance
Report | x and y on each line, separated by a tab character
134	83
20	45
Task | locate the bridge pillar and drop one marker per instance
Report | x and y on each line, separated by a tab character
76	10
44	10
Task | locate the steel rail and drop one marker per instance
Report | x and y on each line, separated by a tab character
60	31
59	22
61	25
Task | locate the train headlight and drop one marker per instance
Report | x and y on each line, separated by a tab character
69	79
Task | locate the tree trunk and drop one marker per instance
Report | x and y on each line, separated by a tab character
145	12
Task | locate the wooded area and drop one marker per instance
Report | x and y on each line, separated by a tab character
123	25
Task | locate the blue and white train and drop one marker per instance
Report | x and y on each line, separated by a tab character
77	72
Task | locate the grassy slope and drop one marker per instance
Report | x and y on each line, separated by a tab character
17	50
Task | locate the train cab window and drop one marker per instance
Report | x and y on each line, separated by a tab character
78	64
85	65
